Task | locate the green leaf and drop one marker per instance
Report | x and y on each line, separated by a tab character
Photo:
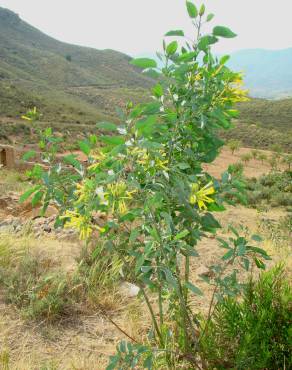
145	126
260	264
202	10
175	33
194	289
246	263
210	17
72	160
257	238
223	32
144	63
192	10
29	155
208	222
158	91
181	235
37	198
170	279
183	165
228	255
113	140
186	57
172	48
84	147
205	41
241	249
28	193
148	362
107	126
224	59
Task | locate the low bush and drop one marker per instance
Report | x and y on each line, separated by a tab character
274	189
255	331
32	287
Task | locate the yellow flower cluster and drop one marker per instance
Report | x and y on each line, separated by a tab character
78	222
118	194
143	157
201	197
98	157
31	115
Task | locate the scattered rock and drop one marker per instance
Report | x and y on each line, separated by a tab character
129	290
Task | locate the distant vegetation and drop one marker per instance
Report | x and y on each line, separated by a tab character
264	123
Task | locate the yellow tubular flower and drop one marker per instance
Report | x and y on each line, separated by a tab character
78	222
98	157
117	194
201	196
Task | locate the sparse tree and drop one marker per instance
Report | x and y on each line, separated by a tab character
255	154
234	145
287	160
262	157
246	157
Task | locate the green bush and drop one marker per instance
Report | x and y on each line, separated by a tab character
274	188
37	292
254	332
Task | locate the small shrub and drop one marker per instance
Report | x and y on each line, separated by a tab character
262	157
234	145
255	154
246	158
255	332
35	291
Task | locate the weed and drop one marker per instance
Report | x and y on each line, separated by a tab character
254	332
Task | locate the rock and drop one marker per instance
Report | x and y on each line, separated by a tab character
47	228
129	290
203	271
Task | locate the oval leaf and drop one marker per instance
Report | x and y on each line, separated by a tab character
175	33
144	63
192	10
194	289
223	32
107	126
172	48
28	155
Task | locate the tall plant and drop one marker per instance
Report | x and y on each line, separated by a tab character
145	197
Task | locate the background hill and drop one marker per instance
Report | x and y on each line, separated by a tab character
60	78
74	86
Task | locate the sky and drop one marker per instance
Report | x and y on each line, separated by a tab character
136	27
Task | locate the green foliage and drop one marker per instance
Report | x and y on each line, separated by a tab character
234	145
144	194
274	189
246	157
259	136
223	32
255	331
30	286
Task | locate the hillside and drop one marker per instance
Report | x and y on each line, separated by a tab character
263	124
63	80
268	73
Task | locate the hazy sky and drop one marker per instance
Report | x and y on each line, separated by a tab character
137	26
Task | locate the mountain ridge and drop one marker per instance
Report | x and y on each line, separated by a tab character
37	64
